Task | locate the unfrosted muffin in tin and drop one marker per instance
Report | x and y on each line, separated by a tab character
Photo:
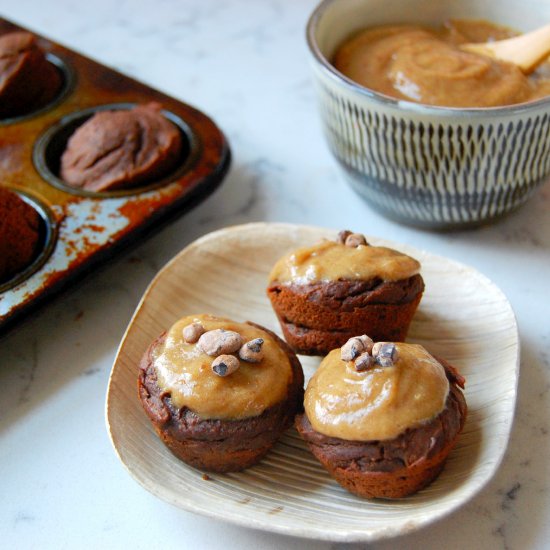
382	417
28	81
220	393
20	234
326	293
124	148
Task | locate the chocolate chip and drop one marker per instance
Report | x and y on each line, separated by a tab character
224	365
252	351
367	342
385	354
376	348
192	332
352	349
255	345
220	341
355	239
343	235
364	362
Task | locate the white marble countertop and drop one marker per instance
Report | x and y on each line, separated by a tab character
246	65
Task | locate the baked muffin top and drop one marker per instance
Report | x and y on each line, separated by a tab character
378	394
28	80
188	366
348	258
121	148
19	234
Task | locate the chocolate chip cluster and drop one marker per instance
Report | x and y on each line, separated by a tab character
364	353
225	346
353	240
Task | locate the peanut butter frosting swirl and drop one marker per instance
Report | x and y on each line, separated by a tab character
379	403
427	66
185	371
332	261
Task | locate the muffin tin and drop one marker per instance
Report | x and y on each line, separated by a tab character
82	229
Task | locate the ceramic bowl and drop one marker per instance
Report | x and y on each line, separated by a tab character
433	167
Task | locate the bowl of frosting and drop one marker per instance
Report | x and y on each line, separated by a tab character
428	133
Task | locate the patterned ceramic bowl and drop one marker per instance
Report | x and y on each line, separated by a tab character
433	167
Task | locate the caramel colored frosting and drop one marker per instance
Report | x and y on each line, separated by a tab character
427	66
379	403
331	261
185	371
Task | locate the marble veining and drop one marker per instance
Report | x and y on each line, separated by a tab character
28	377
246	65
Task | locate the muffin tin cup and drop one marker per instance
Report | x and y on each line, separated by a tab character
83	229
48	237
52	143
68	77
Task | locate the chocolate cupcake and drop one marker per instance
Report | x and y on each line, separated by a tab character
326	293
28	81
382	418
20	234
121	148
220	393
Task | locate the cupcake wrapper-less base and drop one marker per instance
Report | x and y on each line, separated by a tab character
318	318
394	468
217	445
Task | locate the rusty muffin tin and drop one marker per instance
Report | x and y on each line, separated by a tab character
83	229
